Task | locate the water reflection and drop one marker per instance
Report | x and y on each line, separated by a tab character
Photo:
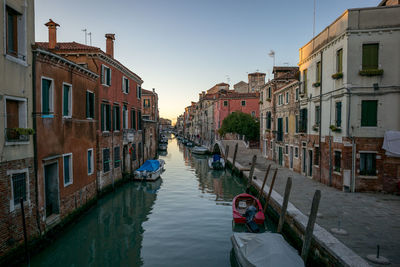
184	219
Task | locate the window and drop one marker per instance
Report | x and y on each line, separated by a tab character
90	161
287	124
253	113
116	118
297	123
286	149
138	91
146	103
47	96
124	117
243	102
339	61
67	100
16	117
105	75
369	110
133	119
317	115
89	105
117	158
19	189
105	117
139	120
15	42
269	92
338	114
296	152
316	158
225	103
287	97
106	160
303	120
318	72
370	56
338	156
297	94
125	85
269	120
368	164
67	160
305	81
280	129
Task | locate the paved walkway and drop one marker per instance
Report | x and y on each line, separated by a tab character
369	218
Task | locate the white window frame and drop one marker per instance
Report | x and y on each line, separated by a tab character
22	114
104	79
138	91
94	105
51	97
125	81
294	152
91	161
69	100
71	170
287	97
22	35
10	174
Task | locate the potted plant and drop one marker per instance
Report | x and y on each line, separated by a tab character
316	84
24	131
371	72
315	127
335	129
338	75
260	102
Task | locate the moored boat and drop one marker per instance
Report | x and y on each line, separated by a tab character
242	207
216	163
162	147
200	150
265	249
150	170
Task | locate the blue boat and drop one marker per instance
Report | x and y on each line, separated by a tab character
150	170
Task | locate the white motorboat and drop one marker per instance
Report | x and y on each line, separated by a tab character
200	150
265	249
150	170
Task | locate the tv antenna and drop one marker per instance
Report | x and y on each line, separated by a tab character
85	31
272	54
90	38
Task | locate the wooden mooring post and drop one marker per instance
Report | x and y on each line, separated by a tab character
253	165
310	225
21	201
234	155
265	180
284	204
270	190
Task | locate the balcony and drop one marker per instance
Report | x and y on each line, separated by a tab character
15	135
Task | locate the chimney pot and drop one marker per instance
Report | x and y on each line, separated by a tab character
110	37
52	26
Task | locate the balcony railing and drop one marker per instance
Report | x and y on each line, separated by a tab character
12	135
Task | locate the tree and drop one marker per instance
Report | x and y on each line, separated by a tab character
241	123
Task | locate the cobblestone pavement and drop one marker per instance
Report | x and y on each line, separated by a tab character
369	218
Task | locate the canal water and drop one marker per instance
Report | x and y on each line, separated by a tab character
183	219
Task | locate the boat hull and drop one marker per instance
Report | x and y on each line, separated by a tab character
238	213
150	175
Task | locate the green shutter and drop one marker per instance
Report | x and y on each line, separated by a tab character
339	60
87	105
102	116
108	115
338	114
45	96
65	100
370	56
369	112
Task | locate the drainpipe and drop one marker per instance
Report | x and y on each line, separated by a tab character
353	147
35	163
320	125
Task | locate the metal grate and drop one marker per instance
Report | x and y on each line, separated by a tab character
19	187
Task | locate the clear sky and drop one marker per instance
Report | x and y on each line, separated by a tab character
183	47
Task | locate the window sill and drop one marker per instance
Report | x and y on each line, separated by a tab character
106	85
16	60
67	117
89	174
372	177
337	173
17	143
48	116
68	184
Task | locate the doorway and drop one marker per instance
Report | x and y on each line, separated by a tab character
280	155
304	165
291	157
51	189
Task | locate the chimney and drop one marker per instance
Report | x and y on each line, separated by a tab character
110	37
52	33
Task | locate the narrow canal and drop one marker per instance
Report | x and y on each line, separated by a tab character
183	219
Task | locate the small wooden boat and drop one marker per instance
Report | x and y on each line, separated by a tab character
201	150
150	170
216	164
265	249
241	203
